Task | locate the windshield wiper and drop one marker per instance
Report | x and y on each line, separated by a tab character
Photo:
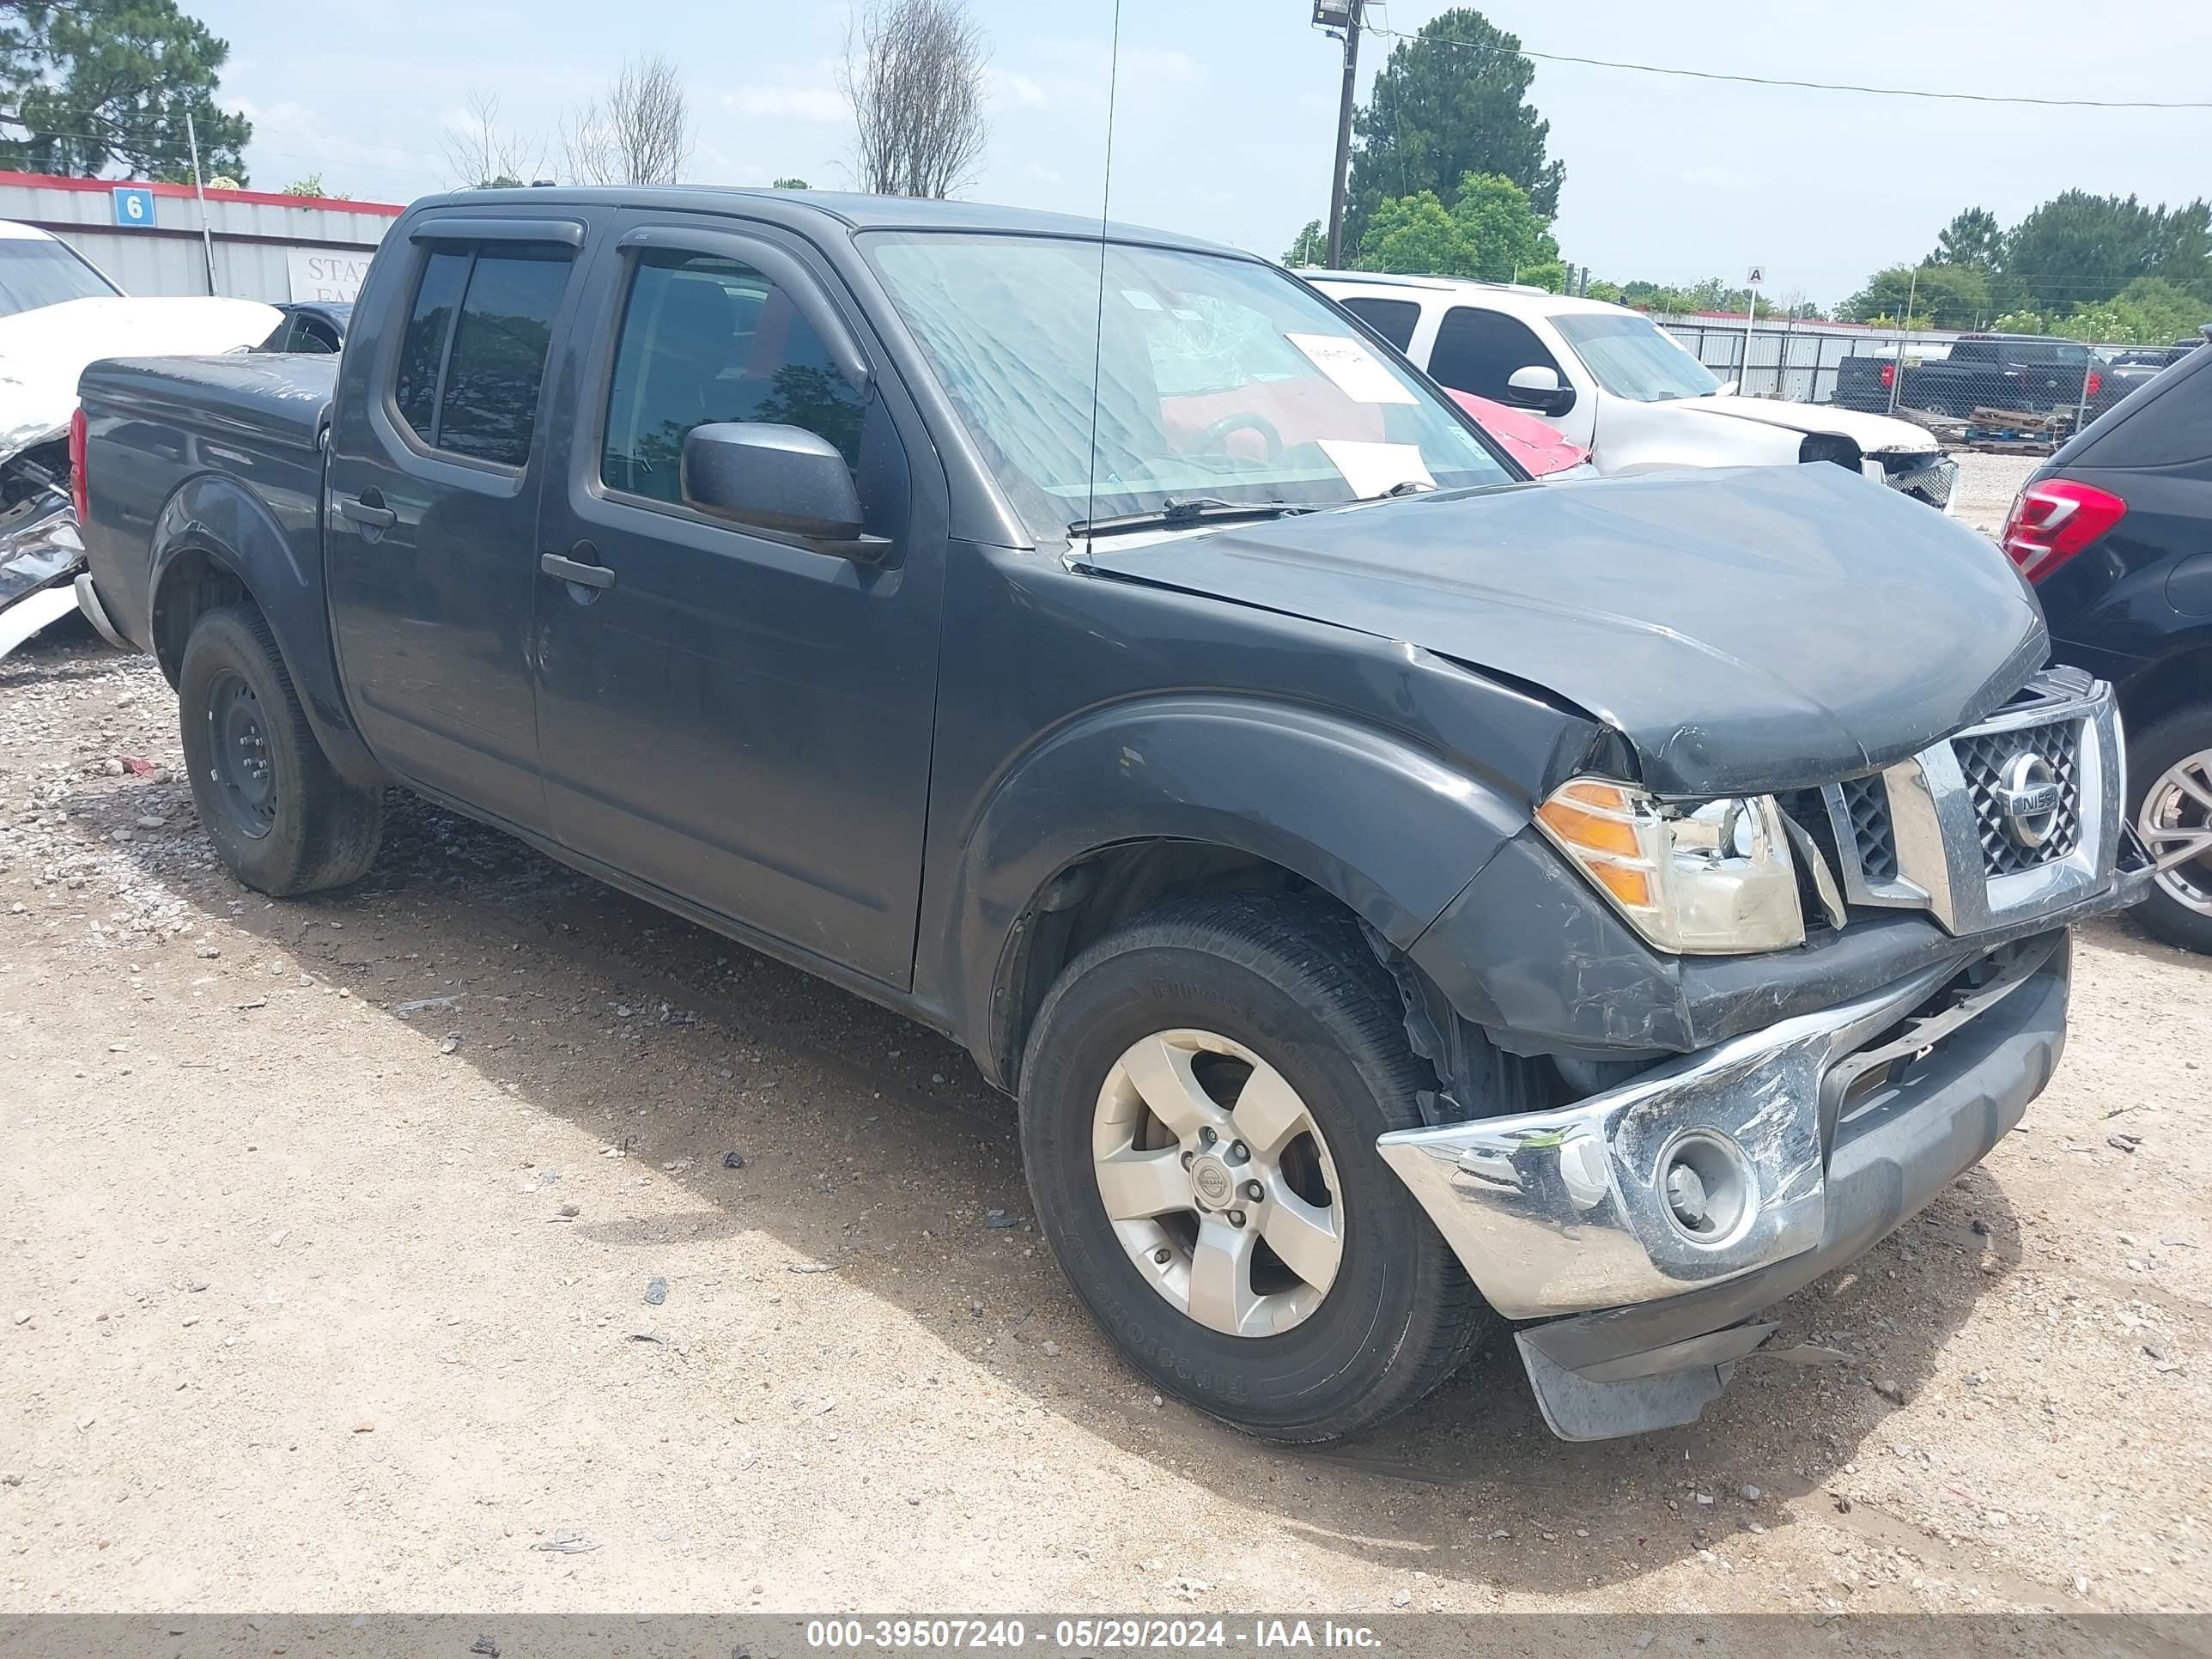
1173	513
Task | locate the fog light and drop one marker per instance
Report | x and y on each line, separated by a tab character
1705	1188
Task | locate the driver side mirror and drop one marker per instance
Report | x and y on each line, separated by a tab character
783	479
1539	387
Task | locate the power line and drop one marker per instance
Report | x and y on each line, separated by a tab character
1806	86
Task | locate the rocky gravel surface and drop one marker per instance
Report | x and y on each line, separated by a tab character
479	1238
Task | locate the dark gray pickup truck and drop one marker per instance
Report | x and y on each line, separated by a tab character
1406	899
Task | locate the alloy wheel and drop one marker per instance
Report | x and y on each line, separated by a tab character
1219	1182
2175	823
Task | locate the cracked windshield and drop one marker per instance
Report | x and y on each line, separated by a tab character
1219	381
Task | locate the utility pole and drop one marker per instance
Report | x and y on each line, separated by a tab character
1341	15
199	189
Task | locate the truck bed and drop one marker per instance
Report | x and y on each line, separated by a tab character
276	398
231	442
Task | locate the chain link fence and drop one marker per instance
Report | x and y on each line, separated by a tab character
1993	390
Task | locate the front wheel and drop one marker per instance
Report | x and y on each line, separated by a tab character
280	817
1200	1103
2170	776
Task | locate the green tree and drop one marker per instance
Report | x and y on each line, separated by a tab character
94	84
1609	292
2077	248
1947	295
790	184
2149	310
1489	231
1449	102
1311	247
1973	238
313	185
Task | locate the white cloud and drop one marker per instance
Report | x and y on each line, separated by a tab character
787	103
1018	91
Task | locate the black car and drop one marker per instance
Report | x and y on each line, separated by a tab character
312	325
2116	533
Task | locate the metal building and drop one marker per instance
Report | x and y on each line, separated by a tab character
148	237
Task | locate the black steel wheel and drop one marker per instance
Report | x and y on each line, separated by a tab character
280	817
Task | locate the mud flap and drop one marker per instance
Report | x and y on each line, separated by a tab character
1575	1408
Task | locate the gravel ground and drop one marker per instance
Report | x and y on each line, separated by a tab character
1986	485
480	1238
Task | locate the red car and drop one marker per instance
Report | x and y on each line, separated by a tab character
1536	444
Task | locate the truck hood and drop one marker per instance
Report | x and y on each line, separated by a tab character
43	351
1745	629
1871	433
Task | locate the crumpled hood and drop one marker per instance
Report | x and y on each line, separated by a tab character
1869	432
43	350
1745	629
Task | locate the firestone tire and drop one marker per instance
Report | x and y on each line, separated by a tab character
282	821
1292	984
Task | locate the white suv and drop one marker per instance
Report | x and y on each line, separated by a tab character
1616	383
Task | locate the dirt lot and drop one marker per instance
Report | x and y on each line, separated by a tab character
387	1251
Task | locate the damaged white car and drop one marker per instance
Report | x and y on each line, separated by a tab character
1616	383
58	312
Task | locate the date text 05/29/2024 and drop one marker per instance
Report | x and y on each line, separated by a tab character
1086	1636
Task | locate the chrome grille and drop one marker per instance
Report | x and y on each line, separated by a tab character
1982	760
1866	802
1933	832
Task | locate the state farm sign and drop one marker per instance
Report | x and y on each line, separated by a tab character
325	273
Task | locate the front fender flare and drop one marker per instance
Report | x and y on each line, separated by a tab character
1384	826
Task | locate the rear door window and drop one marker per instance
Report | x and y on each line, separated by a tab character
1477	350
1394	320
473	357
2171	426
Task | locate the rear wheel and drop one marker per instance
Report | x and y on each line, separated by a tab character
2170	774
280	817
1200	1100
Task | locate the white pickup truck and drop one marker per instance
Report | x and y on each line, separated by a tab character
1620	386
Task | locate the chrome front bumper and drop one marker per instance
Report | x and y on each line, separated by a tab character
1570	1210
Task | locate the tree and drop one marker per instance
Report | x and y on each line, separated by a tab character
94	84
2077	247
1489	231
313	185
2149	310
481	154
641	136
1447	103
1311	247
1946	296
1973	238
913	73
789	184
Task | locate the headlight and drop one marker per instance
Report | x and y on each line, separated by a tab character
1713	878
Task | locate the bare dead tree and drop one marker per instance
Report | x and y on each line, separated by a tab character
640	134
914	75
481	154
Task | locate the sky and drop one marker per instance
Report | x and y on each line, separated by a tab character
1224	110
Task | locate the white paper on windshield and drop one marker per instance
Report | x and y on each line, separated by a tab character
1371	468
1359	374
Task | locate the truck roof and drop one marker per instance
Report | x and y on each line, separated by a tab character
849	208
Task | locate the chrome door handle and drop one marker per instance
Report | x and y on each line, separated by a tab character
575	570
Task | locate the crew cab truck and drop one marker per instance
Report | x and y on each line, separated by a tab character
2026	373
1408	902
